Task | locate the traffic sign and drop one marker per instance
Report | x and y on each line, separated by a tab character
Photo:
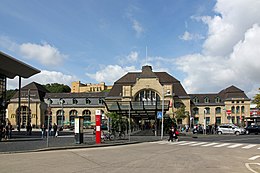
159	115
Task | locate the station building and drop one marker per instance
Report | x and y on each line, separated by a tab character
142	96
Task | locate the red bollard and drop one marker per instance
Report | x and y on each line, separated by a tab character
98	126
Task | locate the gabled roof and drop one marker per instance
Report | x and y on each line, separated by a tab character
233	92
11	67
229	93
131	77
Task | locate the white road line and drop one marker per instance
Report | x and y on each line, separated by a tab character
254	157
249	146
235	145
174	143
249	168
187	143
210	144
200	143
221	145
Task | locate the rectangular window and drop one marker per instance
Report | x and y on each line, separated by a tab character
207	120
218	120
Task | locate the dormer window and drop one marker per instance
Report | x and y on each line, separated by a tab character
88	101
217	100
206	100
196	100
74	101
100	101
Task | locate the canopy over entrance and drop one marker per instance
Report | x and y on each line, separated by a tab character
11	67
138	109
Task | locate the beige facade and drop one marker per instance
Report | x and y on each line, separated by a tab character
78	87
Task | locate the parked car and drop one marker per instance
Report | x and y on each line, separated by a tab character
230	129
252	129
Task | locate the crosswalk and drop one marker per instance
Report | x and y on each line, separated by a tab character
209	144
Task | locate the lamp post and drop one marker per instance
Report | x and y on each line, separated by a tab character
162	112
48	123
62	102
205	121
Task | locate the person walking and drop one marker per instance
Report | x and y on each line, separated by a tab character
171	132
43	128
55	128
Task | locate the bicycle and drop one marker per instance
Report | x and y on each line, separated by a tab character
107	136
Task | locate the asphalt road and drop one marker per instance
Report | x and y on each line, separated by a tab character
157	156
23	143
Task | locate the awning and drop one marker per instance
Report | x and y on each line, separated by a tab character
137	109
11	67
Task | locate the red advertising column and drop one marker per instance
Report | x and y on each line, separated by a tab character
98	126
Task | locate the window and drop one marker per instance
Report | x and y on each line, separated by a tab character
237	109
218	110
195	111
233	109
206	100
217	100
242	109
207	120
148	96
207	110
196	100
74	101
88	101
100	101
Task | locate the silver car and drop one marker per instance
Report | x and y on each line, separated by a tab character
230	129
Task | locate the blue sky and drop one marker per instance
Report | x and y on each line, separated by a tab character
207	45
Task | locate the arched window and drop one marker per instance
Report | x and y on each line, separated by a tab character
218	110
73	113
195	111
147	96
237	109
217	100
233	109
195	100
207	110
86	118
242	109
60	117
206	100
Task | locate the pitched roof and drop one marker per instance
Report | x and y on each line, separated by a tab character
130	79
233	92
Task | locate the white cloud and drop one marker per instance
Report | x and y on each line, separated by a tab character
44	77
189	36
132	57
110	73
137	27
44	53
230	54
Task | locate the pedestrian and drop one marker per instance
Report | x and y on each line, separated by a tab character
55	128
43	129
175	134
10	130
7	130
171	132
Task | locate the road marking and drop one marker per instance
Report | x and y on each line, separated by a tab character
221	145
249	168
254	157
200	143
187	143
210	144
235	145
249	146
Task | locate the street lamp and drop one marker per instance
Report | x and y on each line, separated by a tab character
205	110
162	112
62	102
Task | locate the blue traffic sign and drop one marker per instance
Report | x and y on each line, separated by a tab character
159	115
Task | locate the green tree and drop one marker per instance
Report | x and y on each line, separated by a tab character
118	123
57	88
180	113
256	100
